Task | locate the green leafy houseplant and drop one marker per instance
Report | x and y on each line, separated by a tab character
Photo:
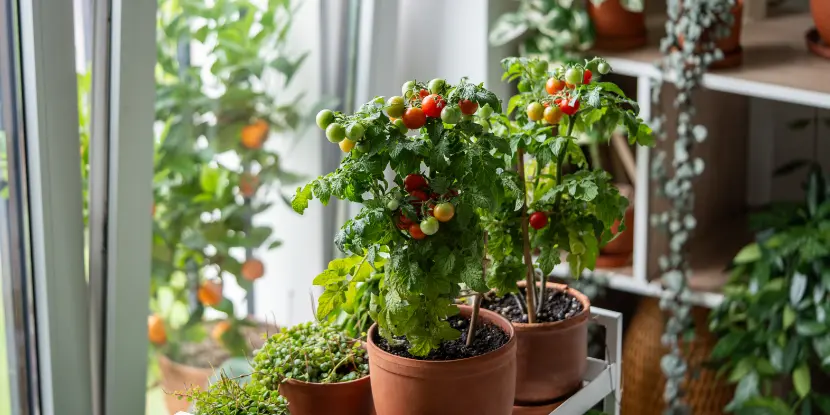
425	226
559	30
772	325
212	170
562	207
310	353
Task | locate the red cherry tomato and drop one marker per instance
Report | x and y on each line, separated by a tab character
538	220
586	78
467	107
419	195
401	224
414	118
414	181
568	108
432	105
554	85
416	232
423	93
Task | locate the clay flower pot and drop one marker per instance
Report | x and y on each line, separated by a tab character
179	377
618	252
346	398
617	28
552	357
821	16
731	45
481	385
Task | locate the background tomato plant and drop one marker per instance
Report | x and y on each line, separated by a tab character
213	171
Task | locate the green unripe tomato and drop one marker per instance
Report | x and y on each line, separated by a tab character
574	76
395	107
485	111
401	126
392	205
437	85
355	132
324	118
523	86
335	132
407	87
361	148
451	114
429	226
540	68
603	68
378	100
535	111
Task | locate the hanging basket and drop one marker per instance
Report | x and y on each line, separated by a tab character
643	381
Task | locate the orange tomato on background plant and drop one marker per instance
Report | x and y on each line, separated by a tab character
156	332
219	330
253	269
254	135
210	293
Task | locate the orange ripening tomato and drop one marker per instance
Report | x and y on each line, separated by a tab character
210	293
219	330
155	330
254	135
253	269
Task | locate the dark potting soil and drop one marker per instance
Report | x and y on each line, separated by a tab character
488	337
558	306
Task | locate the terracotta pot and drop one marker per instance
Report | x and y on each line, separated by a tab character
617	28
552	357
481	385
179	377
347	398
544	409
821	15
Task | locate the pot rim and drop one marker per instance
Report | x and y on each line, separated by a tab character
561	324
494	354
303	383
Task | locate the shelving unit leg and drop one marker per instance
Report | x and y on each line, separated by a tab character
641	195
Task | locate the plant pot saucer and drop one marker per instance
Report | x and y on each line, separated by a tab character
540	409
613	260
816	45
730	59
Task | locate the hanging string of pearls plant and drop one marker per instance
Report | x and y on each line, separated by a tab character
688	50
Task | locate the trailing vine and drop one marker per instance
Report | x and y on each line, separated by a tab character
688	49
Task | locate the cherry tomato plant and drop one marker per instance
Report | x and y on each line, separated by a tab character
561	210
424	224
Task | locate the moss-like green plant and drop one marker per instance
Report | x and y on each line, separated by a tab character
228	397
310	352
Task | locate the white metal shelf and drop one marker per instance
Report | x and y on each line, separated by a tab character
777	65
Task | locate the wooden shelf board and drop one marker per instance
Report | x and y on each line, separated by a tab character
776	66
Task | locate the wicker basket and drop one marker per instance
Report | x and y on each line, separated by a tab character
643	381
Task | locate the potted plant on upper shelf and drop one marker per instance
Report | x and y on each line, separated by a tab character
311	368
212	175
773	329
552	29
563	208
425	355
619	24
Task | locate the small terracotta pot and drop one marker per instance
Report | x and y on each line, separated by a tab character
347	398
821	16
617	28
481	385
544	409
179	377
552	357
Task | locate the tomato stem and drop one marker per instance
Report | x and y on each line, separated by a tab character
471	331
530	278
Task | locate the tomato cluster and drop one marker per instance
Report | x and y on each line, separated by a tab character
551	111
420	195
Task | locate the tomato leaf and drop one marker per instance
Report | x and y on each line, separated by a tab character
801	380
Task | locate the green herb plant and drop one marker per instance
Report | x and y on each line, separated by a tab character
424	224
564	207
229	396
310	352
773	323
212	169
559	30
